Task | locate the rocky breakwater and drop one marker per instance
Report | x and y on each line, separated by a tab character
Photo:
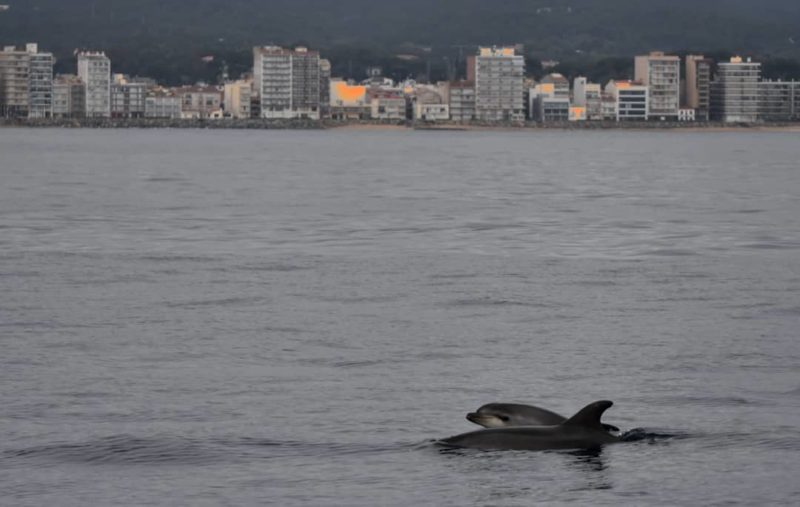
144	123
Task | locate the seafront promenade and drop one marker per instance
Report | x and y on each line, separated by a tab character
298	124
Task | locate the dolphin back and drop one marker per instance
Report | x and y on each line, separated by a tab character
529	415
589	416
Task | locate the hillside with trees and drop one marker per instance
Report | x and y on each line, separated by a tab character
168	38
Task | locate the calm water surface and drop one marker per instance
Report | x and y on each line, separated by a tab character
290	318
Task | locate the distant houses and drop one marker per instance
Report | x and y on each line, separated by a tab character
297	83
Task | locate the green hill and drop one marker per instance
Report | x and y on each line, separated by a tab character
166	38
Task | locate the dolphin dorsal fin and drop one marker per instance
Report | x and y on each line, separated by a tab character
589	415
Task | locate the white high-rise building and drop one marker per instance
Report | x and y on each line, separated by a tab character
94	69
40	88
499	75
661	74
287	82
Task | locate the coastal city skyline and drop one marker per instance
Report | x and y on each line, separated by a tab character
296	84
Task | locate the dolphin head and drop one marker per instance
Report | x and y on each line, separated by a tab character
489	417
500	415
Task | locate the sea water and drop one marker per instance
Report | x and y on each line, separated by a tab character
192	317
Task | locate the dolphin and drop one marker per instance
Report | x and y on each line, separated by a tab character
581	431
500	415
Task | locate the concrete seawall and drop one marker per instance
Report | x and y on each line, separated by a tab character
259	124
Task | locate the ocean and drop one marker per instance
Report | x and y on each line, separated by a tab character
197	317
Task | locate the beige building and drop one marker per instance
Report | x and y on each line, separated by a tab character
15	67
698	85
26	82
430	102
200	102
560	85
661	74
237	97
387	104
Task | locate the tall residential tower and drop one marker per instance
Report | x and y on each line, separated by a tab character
735	91
499	84
26	82
287	82
94	69
698	85
662	75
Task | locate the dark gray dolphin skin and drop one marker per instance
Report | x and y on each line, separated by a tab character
581	431
501	415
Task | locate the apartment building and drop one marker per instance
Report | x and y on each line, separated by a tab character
697	93
630	99
287	82
499	75
160	103
26	82
560	85
462	101
661	74
548	101
237	98
324	88
589	96
40	83
15	70
349	101
94	69
778	100
69	96
127	98
735	91
200	102
430	102
386	104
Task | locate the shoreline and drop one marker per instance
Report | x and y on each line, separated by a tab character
383	125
